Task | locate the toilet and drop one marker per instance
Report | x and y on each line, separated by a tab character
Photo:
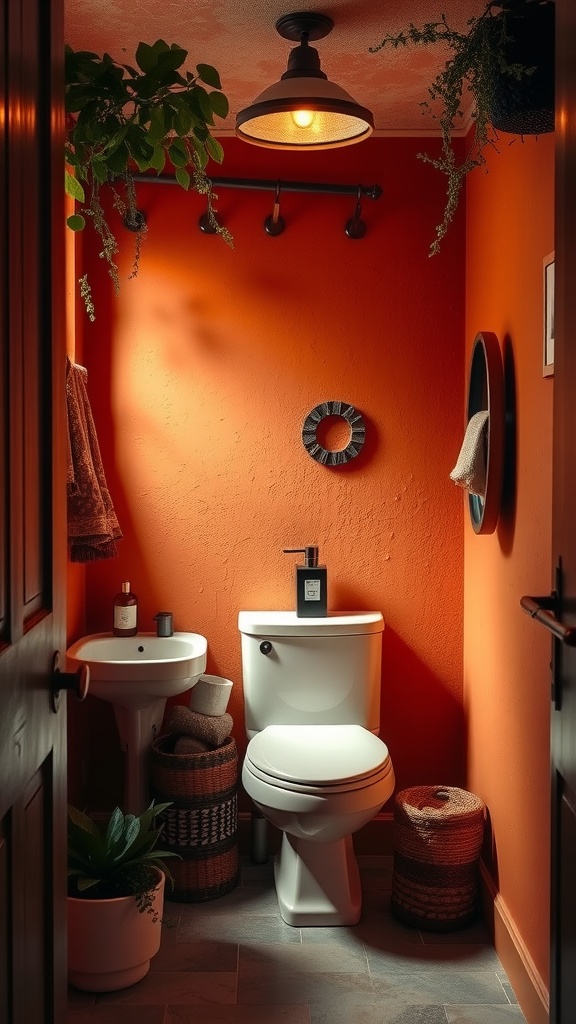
315	766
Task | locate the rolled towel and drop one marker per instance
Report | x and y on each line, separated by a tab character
470	469
190	745
211	729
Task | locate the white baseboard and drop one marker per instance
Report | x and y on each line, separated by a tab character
527	983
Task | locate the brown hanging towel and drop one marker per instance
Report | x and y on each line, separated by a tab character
93	528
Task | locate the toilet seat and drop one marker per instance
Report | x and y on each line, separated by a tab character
318	759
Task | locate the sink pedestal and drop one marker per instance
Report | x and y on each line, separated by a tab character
138	727
136	675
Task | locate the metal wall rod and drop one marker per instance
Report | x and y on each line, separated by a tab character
371	191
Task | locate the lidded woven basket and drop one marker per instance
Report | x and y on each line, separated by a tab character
438	832
202	823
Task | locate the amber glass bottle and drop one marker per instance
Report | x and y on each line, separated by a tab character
125	612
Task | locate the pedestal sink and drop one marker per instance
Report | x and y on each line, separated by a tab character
137	674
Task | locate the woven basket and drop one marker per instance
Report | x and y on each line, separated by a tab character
438	833
202	823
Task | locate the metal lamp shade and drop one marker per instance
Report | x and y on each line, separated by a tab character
337	119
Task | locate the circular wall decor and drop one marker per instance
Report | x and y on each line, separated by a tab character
355	441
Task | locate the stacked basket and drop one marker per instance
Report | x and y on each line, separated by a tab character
438	834
202	823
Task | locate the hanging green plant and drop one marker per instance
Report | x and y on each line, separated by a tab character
122	120
505	59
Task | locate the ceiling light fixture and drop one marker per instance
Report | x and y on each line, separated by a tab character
304	110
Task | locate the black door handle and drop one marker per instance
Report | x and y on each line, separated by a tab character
543	610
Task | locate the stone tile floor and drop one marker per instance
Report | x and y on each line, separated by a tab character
234	961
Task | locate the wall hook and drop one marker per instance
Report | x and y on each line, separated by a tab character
355	227
206	225
134	220
274	223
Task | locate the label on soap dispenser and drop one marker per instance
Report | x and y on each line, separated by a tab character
311	590
125	616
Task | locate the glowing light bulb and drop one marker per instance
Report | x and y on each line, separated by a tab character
303	118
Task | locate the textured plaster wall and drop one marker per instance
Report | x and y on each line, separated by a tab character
201	374
506	658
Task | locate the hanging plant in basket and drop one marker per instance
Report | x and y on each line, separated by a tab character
505	60
123	119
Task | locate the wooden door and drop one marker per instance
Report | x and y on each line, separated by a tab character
32	514
563	736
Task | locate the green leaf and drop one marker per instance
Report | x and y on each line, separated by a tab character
183	120
201	101
100	171
82	821
118	160
158	159
173	58
156	129
214	149
169	115
76	222
86	883
159	808
75	190
115	827
183	177
77	96
138	143
146	57
177	153
219	103
131	829
208	75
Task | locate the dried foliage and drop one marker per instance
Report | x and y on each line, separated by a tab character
477	57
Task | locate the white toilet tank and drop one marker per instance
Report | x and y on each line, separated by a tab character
300	671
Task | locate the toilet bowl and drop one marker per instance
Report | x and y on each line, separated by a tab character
318	784
315	766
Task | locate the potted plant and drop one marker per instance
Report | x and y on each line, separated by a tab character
505	59
116	878
124	118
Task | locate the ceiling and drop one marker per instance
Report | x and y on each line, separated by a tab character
238	37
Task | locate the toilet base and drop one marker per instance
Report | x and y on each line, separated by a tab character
317	883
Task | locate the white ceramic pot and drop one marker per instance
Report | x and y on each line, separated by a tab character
110	943
210	695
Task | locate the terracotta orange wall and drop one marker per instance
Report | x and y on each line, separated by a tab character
506	674
201	374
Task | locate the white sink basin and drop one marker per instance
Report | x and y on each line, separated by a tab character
133	670
137	674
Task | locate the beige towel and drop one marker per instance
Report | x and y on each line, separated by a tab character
470	469
93	528
211	729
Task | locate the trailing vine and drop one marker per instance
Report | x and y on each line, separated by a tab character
478	56
123	119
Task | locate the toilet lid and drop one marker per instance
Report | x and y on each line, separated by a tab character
317	754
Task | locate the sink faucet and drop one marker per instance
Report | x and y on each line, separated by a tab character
164	623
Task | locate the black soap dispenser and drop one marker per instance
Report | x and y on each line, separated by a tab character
311	584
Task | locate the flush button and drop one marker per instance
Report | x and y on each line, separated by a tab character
265	647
